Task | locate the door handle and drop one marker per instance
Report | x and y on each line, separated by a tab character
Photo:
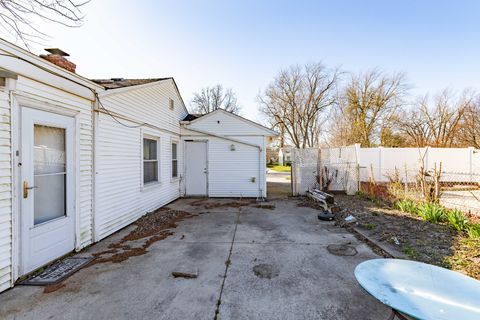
26	188
205	170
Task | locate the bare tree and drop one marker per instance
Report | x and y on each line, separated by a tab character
437	125
18	17
366	106
470	126
212	98
294	102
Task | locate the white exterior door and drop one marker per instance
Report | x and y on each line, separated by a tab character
47	215
196	168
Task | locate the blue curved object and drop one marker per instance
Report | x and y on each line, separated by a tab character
421	290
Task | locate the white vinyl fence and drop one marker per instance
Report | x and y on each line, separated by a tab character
347	168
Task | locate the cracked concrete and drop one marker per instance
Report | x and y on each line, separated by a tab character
309	282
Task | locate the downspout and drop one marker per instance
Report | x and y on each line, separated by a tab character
260	189
94	164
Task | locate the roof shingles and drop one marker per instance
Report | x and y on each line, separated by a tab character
115	83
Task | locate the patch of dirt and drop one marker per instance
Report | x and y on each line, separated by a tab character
150	228
53	287
211	204
419	240
265	206
341	250
265	271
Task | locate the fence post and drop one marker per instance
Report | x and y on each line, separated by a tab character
379	164
357	160
470	165
293	167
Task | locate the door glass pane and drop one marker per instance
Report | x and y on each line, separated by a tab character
49	162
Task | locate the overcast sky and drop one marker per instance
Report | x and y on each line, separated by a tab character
244	44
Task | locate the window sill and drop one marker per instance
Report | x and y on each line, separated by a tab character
151	185
176	179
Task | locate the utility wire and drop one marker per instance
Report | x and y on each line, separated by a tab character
81	84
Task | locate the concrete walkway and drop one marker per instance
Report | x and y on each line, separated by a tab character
253	263
278	184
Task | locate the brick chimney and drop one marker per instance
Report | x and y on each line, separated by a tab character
57	57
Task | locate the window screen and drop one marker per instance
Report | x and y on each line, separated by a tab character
150	160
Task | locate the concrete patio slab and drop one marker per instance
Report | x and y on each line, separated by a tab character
297	279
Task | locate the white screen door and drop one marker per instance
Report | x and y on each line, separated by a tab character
47	192
196	168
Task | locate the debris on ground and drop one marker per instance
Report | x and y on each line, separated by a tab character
350	219
150	228
265	206
183	274
216	203
417	239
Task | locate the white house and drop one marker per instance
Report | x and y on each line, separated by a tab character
224	156
138	155
46	162
80	159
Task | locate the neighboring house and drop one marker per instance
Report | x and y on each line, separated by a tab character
80	159
272	154
285	155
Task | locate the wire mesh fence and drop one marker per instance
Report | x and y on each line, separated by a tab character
454	190
332	169
417	178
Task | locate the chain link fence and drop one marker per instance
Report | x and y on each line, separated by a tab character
454	190
330	169
421	174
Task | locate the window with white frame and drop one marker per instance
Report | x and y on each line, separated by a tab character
150	160
174	159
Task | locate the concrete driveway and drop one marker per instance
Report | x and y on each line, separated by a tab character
253	263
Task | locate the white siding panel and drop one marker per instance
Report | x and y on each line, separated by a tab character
230	173
225	124
121	198
149	105
5	195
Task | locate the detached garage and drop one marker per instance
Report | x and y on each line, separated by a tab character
224	156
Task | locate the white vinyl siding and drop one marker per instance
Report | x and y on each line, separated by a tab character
232	173
5	194
41	94
121	197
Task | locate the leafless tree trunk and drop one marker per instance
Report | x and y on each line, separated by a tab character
470	126
295	101
17	17
212	98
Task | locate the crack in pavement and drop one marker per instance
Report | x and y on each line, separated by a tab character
227	265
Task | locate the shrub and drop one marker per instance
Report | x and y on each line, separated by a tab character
473	231
432	212
457	220
406	205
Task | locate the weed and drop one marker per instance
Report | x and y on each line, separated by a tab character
369	226
406	205
473	231
411	252
457	220
432	212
